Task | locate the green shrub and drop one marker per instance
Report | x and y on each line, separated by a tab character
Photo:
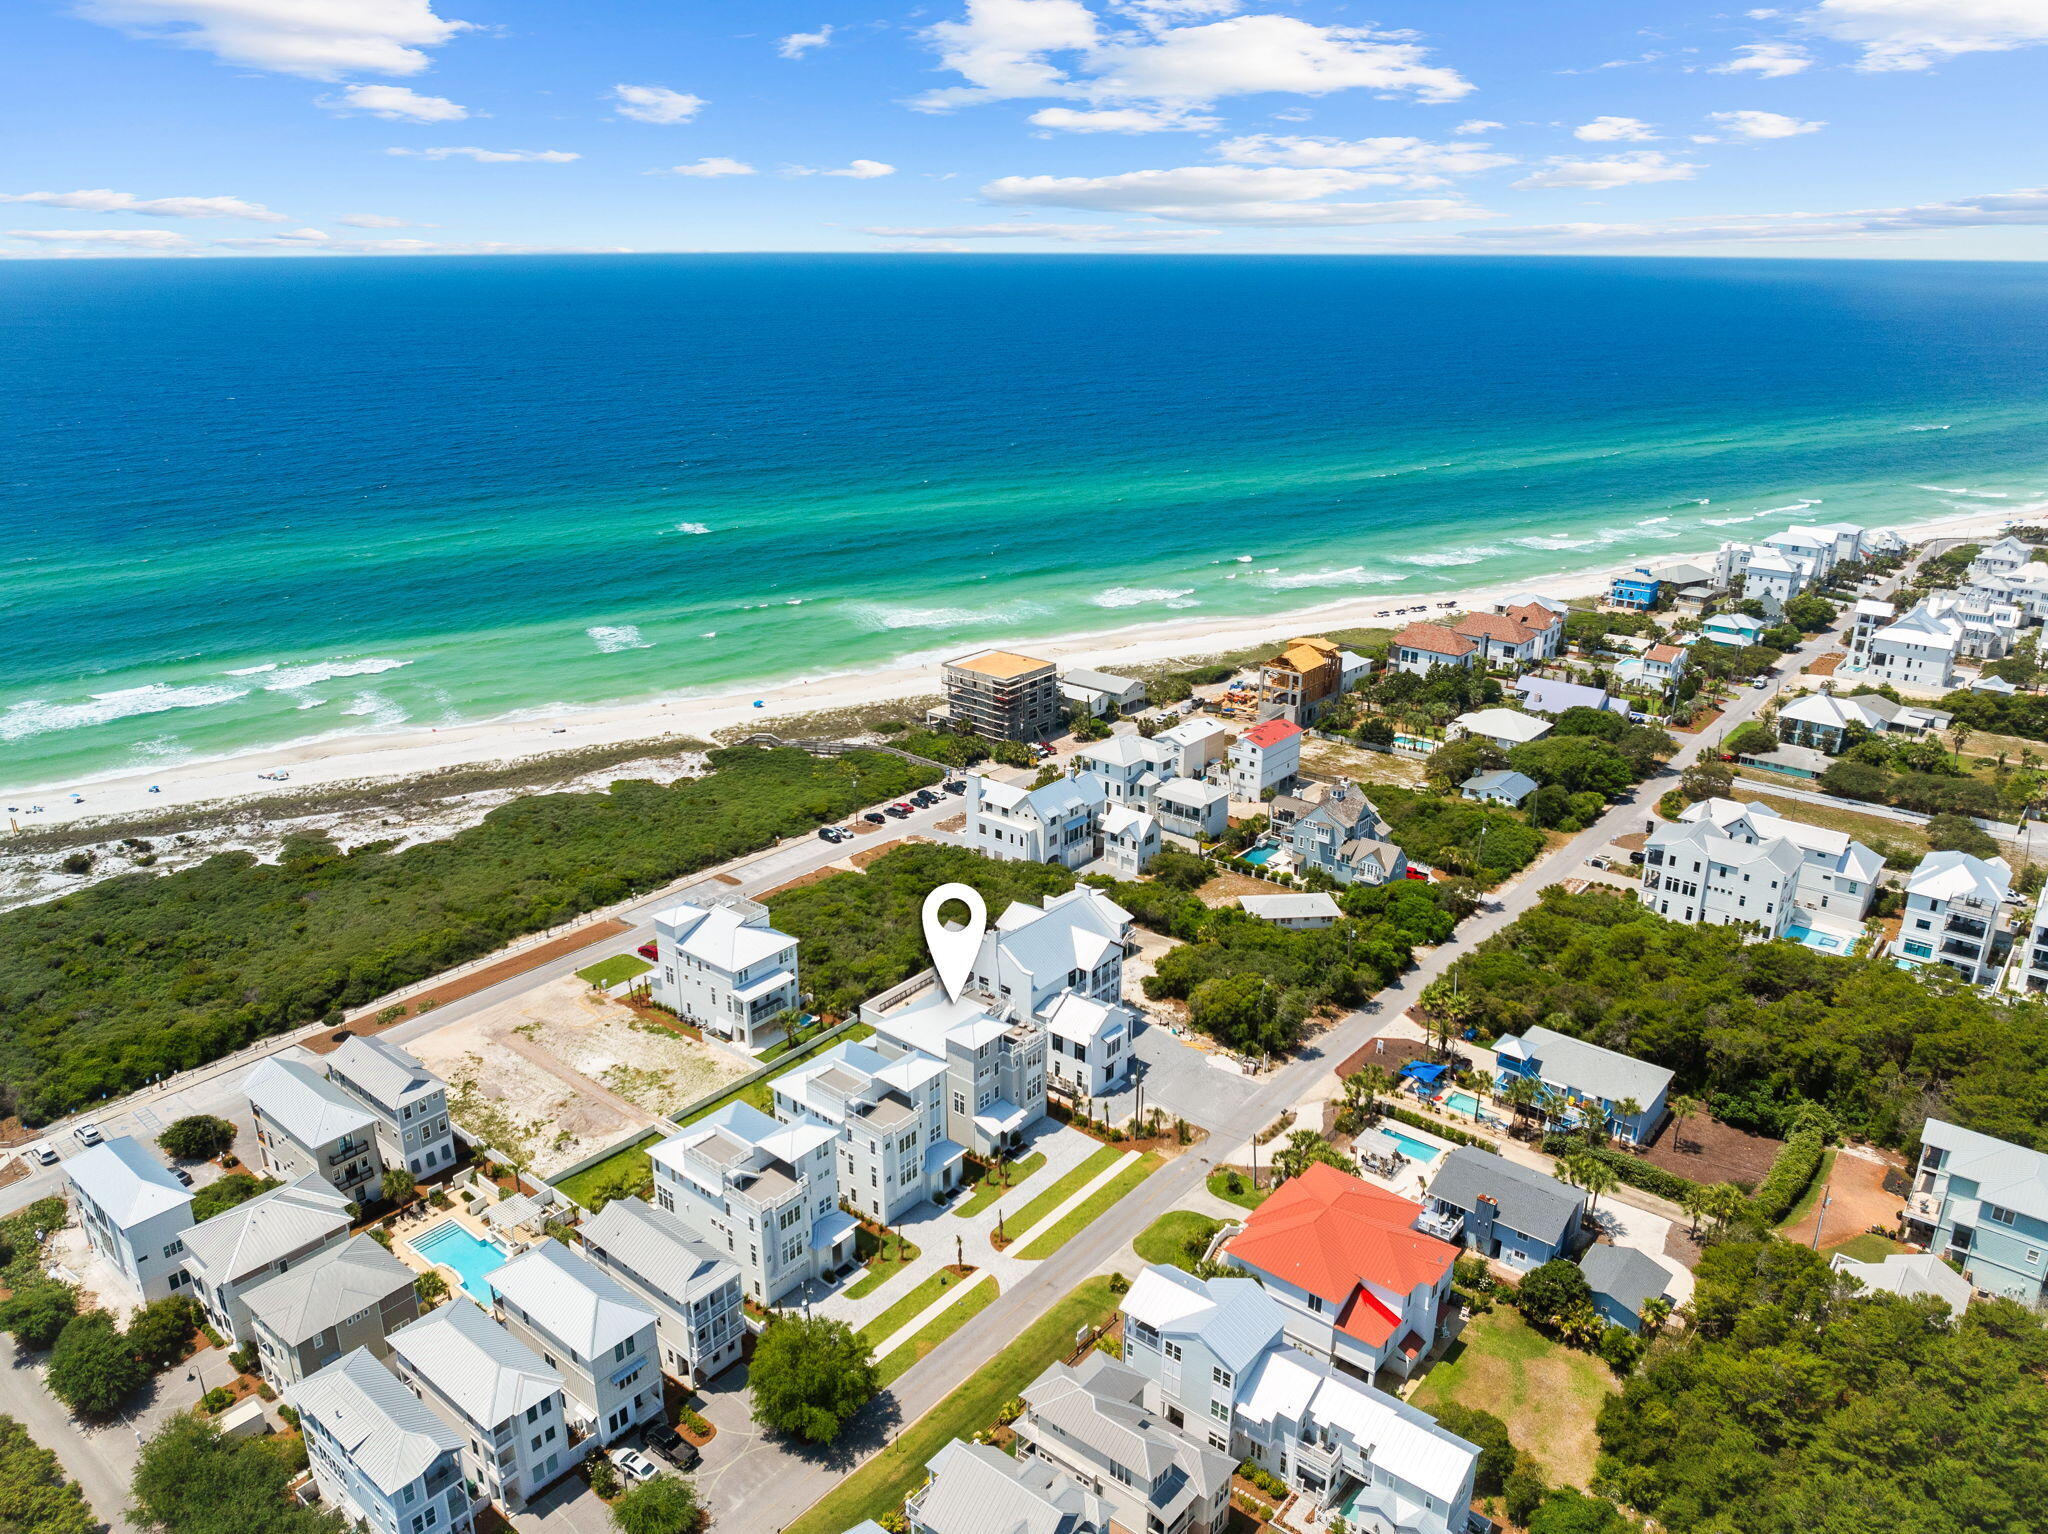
1791	1174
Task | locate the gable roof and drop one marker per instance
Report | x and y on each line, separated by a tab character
1232	1317
1100	1404
487	1372
1271	733
573	1298
327	1288
1538	1206
1595	1071
723	935
126	1181
1960	875
975	1489
1514	785
252	1235
1329	1233
1312	907
388	1433
2008	1175
388	1074
1533	614
303	1103
1910	1274
658	1248
1433	638
1629	1277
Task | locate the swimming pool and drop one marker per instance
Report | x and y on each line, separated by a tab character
1826	942
1407	1145
1461	1102
473	1258
1258	857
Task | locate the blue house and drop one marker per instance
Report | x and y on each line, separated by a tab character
1585	1082
1984	1204
1623	1281
1635	589
1503	1210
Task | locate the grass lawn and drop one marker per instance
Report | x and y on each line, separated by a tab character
900	1314
1093	1207
1549	1395
633	1158
1813	1191
868	1247
878	1274
880	1485
1246	1196
1867	1248
989	1190
1865	828
1168	1238
761	1093
620	966
1046	1202
942	1326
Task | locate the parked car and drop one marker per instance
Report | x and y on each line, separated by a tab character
670	1445
182	1175
633	1465
896	810
1761	683
956	787
875	818
828	833
648	951
89	1133
43	1153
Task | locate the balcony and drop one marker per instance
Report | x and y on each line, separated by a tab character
1968	926
1444	1224
347	1151
1924	1208
1962	951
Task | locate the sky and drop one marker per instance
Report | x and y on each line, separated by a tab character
237	128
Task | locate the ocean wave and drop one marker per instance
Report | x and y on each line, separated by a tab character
1728	521
610	638
1350	575
326	671
1797	506
692	527
36	716
1925	428
1470	555
269	665
1137	596
381	712
1987	495
1553	542
315	703
1658	521
880	616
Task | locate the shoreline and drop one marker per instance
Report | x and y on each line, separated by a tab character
335	760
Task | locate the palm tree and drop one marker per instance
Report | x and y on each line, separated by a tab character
1959	737
1682	1108
1597	1177
1723	1202
1363	1090
1694	1202
1524	1094
1628	1110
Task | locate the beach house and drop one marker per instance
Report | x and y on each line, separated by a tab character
725	968
1343	835
307	1126
1060	822
890	1116
1955	915
1502	787
410	1102
1736	630
1837	874
1506	641
380	1456
2032	959
1867	615
1192	811
240	1248
1032	955
1265	757
1583	1081
590	1328
1910	1274
1000	695
1130	841
1825	721
1360	1284
1100	694
693	1289
1298	913
1635	590
134	1213
1543	695
1983	1203
2005	557
1506	1212
1504	727
1624	1281
1772	578
344	1298
970	1488
995	1068
1191	749
1918	649
1693	871
1421	647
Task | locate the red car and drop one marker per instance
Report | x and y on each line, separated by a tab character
648	951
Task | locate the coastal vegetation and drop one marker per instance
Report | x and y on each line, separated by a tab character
36	1497
146	973
1759	1030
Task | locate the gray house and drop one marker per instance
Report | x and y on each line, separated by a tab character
239	1248
1503	1210
1623	1281
974	1489
692	1287
349	1296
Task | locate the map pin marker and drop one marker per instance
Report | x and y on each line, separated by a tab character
953	949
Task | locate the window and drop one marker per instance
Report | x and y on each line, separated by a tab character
1998	1214
1220	1410
1315	1304
1220	1441
1222	1376
1173	1351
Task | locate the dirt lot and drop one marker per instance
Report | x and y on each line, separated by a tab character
1225	888
556	1073
1710	1152
1856	1198
1328	759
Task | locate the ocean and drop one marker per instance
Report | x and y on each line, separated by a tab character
248	503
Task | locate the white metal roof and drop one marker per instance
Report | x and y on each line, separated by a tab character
239	1241
1503	724
490	1375
1960	875
126	1181
1315	906
390	1075
2008	1175
387	1432
721	936
572	1298
302	1102
327	1288
1288	1385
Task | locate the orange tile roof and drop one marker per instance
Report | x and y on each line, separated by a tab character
1329	1233
1492	626
1434	638
1535	614
1663	652
1271	733
1001	664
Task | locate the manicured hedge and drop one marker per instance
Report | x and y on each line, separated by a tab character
1790	1176
1633	1170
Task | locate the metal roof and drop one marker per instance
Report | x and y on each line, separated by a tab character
386	1073
327	1288
270	1226
572	1299
2008	1175
1234	1318
487	1373
387	1432
126	1181
303	1103
1538	1206
975	1489
657	1249
1315	906
1593	1071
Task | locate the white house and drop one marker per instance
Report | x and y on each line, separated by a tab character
1191	749
725	968
1267	756
995	1068
1503	726
693	1289
1770	577
1736	630
308	1127
1583	1081
380	1457
765	1194
2004	557
1059	823
1192	810
409	1101
1099	693
1128	766
239	1248
1812	550
1034	959
1837	874
1506	640
1088	1046
1694	872
1955	914
1918	649
1420	647
889	1114
586	1325
972	1487
2033	960
1300	913
1822	720
1866	617
1502	787
135	1214
507	1405
1130	841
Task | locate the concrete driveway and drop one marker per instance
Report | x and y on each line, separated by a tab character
1177	1077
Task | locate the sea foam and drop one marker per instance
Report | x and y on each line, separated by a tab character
291	677
36	716
610	638
1137	596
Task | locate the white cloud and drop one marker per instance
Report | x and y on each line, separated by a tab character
296	239
1124	120
1154	11
1610	130
492	156
2027	207
713	165
1408	161
656	104
797	44
1918	34
1772	61
376	221
1632	169
319	39
103	201
395	103
1477	125
859	170
1234	194
1014	49
132	239
1085	234
1762	125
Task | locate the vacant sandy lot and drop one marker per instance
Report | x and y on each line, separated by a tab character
649	1066
1329	759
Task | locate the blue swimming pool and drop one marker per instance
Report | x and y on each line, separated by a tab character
1408	1145
1826	942
1461	1102
1260	856
473	1258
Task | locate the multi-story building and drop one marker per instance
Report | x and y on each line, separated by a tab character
1094	1423
1624	1281
309	1127
1301	681
2005	557
1837	874
135	1214
1810	549
995	1067
1508	641
2032	961
1194	748
1129	767
1504	1211
1061	965
1983	1203
380	1458
1361	1284
239	1248
1099	693
342	1299
410	1102
587	1326
1773	579
1130	841
1825	720
1422	647
506	1405
1735	630
1341	834
725	968
1955	915
1216	1353
1866	617
693	1288
1635	590
1694	872
1267	756
763	1193
1192	811
1918	649
889	1114
971	1488
1000	695
1583	1081
1059	823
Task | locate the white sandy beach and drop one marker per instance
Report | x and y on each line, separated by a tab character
413	753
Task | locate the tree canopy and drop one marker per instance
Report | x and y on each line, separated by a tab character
191	1480
197	1137
810	1375
93	1368
36	1497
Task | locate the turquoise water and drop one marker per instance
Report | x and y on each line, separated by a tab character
1261	856
1461	1102
472	1257
1826	942
256	502
1409	1146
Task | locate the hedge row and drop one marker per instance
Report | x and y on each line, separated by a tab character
1791	1174
1633	1170
1441	1131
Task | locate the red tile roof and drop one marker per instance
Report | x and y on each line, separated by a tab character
1535	614
1663	653
1493	626
1434	638
1271	733
1329	1233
